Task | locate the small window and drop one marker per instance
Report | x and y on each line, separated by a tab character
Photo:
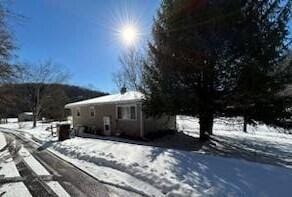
78	111
126	112
133	112
92	111
119	112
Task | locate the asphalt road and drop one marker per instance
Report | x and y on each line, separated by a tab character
74	181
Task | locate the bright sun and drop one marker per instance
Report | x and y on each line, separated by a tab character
129	34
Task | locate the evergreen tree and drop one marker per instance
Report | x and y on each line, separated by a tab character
264	71
198	56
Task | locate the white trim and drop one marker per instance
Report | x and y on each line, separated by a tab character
110	125
127	105
141	122
68	106
128	97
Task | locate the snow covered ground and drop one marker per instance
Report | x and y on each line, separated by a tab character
14	189
258	163
9	170
261	143
7	166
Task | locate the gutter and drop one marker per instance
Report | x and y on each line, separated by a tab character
71	105
141	122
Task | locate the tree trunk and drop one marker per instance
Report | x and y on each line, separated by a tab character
34	121
245	124
36	107
206	125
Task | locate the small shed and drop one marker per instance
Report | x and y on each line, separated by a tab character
25	116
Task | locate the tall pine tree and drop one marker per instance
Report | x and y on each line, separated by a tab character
196	57
262	48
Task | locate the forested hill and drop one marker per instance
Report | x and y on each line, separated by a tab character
76	93
13	98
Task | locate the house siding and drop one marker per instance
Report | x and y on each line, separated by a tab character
121	127
127	127
152	125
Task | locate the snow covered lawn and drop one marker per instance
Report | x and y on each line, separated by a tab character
216	169
180	172
261	144
39	133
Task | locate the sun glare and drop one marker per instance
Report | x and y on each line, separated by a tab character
127	26
129	34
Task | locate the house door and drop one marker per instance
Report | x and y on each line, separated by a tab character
107	125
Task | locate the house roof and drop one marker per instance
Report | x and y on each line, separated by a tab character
130	96
27	113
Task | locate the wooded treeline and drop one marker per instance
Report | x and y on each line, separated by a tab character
54	101
33	87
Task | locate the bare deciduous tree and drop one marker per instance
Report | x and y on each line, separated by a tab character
130	74
7	70
38	80
54	102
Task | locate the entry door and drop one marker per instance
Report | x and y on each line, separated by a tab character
107	125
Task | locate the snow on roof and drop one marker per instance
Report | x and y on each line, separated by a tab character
27	113
114	98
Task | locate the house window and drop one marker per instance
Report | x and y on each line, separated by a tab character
78	111
126	112
133	112
92	111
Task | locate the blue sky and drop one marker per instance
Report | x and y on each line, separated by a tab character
79	35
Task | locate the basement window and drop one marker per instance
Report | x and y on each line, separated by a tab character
127	112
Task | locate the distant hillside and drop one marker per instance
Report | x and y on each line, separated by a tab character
76	93
12	98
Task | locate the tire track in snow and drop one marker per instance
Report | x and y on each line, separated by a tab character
101	169
36	178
